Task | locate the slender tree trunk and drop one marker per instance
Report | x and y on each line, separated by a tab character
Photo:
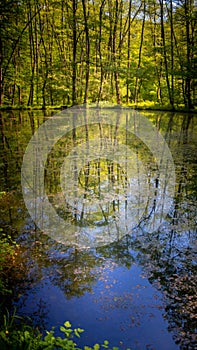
46	67
87	51
181	67
74	35
136	92
32	56
50	36
188	40
172	51
158	62
116	74
128	51
100	51
36	58
1	70
164	52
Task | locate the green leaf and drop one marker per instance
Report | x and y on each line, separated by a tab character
62	329
67	324
76	333
105	344
80	330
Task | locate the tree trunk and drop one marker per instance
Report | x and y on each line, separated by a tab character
172	51
1	72
128	51
188	40
74	68
100	51
116	74
165	54
136	92
87	51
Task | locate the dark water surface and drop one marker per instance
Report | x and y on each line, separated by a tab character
136	289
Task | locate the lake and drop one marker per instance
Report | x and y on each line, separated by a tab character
103	206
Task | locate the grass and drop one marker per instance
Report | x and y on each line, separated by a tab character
142	105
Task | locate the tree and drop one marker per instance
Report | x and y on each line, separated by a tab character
84	51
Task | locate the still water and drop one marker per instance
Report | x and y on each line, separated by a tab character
113	247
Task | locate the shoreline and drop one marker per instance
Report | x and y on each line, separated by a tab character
59	108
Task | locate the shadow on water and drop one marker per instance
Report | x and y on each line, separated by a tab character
137	290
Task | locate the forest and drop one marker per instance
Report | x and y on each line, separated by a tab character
98	206
68	52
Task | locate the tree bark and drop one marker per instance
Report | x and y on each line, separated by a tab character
87	51
1	71
128	51
188	40
74	51
114	51
164	53
136	92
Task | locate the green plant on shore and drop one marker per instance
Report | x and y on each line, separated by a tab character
20	336
7	251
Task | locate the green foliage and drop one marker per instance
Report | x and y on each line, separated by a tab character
6	255
24	337
38	62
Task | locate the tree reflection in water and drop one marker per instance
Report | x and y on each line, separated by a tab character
167	256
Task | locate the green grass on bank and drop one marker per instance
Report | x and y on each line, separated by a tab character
28	108
143	105
154	106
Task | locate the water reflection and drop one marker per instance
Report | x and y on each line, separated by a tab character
132	190
116	287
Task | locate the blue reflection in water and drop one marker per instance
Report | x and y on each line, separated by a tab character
122	306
